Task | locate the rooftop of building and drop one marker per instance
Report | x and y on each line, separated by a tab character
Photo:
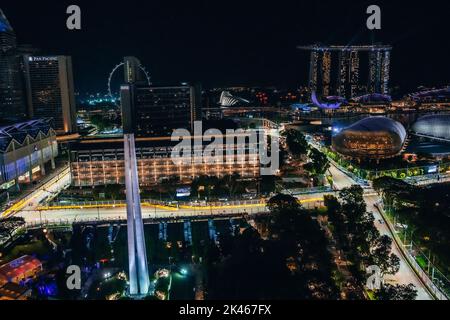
18	267
374	98
13	291
378	124
20	131
442	93
141	142
322	47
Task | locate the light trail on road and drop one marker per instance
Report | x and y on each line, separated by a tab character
29	209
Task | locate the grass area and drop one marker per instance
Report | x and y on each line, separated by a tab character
422	262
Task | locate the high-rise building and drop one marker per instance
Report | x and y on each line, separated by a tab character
326	73
12	99
346	73
320	72
132	71
50	90
379	67
155	111
348	79
313	70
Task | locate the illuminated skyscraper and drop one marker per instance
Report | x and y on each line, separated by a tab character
379	66
320	72
313	70
326	73
354	74
385	69
348	78
342	77
346	73
50	90
12	99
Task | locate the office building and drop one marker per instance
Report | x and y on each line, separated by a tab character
12	98
156	111
50	91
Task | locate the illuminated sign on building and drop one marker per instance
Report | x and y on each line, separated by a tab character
43	58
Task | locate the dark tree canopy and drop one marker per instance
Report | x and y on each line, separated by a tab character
296	142
396	292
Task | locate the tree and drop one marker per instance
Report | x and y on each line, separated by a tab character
283	202
381	256
231	182
396	292
9	225
100	122
319	163
360	229
296	142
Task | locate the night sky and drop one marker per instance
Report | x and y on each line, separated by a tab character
221	43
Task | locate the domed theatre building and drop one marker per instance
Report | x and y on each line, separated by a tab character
371	138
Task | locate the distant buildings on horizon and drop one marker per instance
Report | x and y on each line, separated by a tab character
336	71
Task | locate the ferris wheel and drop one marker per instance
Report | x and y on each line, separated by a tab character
117	67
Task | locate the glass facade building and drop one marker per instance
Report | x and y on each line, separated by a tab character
156	111
12	98
371	138
50	90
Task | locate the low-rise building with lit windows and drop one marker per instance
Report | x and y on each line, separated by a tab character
101	161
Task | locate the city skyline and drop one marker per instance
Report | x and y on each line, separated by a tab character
256	47
204	151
